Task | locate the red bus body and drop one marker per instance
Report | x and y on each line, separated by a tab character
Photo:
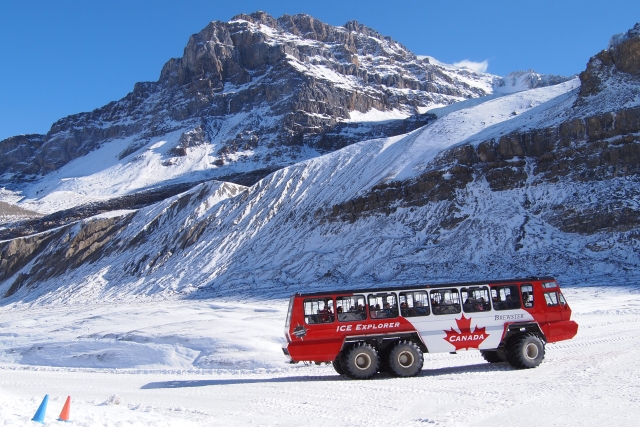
516	306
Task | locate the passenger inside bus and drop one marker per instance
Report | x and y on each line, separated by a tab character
326	315
505	297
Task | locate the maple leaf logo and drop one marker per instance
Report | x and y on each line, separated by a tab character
465	339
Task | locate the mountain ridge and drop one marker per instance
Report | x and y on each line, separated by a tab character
253	94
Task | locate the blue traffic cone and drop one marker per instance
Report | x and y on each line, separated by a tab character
39	416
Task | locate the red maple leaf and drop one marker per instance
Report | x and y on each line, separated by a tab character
465	339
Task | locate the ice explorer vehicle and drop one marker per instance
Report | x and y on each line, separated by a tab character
363	332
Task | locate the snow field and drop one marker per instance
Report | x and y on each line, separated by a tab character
590	380
17	410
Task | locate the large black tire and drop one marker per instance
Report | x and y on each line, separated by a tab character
361	362
494	356
525	351
337	365
405	359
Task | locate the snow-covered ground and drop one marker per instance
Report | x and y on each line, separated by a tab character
210	362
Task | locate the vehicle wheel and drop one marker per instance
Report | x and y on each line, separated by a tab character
337	365
361	361
525	351
405	359
494	356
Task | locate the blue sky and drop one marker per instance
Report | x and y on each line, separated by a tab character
68	56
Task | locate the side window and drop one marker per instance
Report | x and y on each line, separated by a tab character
445	301
414	304
349	309
551	298
505	297
561	298
475	299
318	310
527	295
383	305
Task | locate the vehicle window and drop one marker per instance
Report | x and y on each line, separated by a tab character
383	305
505	297
549	284
562	300
288	322
527	295
414	304
349	309
475	299
551	298
445	301
318	310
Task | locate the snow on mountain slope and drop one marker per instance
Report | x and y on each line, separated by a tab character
100	175
276	237
489	119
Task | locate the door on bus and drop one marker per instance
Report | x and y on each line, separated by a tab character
556	311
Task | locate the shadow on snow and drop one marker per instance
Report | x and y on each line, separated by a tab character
480	367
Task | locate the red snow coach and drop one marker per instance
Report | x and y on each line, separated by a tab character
363	332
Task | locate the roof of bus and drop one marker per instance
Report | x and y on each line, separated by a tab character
431	285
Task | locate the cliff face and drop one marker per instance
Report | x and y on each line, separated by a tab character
622	58
259	92
584	151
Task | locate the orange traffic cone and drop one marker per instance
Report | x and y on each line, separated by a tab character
64	415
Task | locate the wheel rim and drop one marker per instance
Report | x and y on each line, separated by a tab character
531	351
363	361
405	359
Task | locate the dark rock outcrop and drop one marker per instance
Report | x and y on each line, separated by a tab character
70	247
623	56
593	149
131	201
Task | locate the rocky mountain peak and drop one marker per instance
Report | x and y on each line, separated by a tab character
261	93
258	17
622	56
230	51
622	37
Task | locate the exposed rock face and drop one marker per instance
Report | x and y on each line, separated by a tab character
35	223
623	56
22	153
242	238
76	249
593	149
70	247
255	88
8	211
596	148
